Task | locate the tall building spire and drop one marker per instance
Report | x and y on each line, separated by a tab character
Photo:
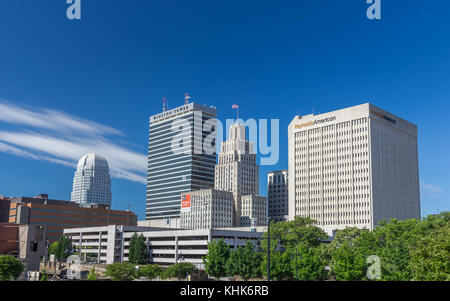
236	170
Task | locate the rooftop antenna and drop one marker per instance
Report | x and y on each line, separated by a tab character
186	98
313	110
164	104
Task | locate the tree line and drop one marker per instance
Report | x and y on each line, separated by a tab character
410	250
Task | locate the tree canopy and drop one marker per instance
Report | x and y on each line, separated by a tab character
10	268
137	250
244	262
121	271
180	270
393	251
216	259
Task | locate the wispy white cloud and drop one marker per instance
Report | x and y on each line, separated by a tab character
63	139
51	120
5	148
430	189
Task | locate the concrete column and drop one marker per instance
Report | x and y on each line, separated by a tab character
80	245
176	248
99	246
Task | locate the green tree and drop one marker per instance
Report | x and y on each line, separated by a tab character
430	261
280	264
244	262
312	266
348	263
150	271
44	275
62	248
138	250
121	271
10	268
393	241
53	248
92	276
216	259
180	270
300	231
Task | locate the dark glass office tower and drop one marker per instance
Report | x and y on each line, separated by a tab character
177	159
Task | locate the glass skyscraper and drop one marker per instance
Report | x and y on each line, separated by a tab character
92	182
181	157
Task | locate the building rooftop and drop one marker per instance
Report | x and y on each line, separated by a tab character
91	161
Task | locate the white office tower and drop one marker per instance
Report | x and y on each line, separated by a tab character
353	167
92	182
236	170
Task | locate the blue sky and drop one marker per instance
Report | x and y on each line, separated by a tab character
91	85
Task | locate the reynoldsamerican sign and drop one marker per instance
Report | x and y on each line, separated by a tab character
314	122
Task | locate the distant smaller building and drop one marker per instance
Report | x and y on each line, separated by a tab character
207	209
25	242
253	208
4	209
278	195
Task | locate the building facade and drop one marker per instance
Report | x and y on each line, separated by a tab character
353	167
178	161
58	215
165	247
207	209
237	170
277	195
253	211
4	209
25	242
92	182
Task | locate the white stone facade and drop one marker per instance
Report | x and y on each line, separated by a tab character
353	167
237	170
209	209
253	208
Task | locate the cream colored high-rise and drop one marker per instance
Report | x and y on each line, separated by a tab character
236	170
353	167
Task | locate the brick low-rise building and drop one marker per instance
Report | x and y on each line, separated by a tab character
59	215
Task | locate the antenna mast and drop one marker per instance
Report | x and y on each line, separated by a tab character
164	104
186	98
